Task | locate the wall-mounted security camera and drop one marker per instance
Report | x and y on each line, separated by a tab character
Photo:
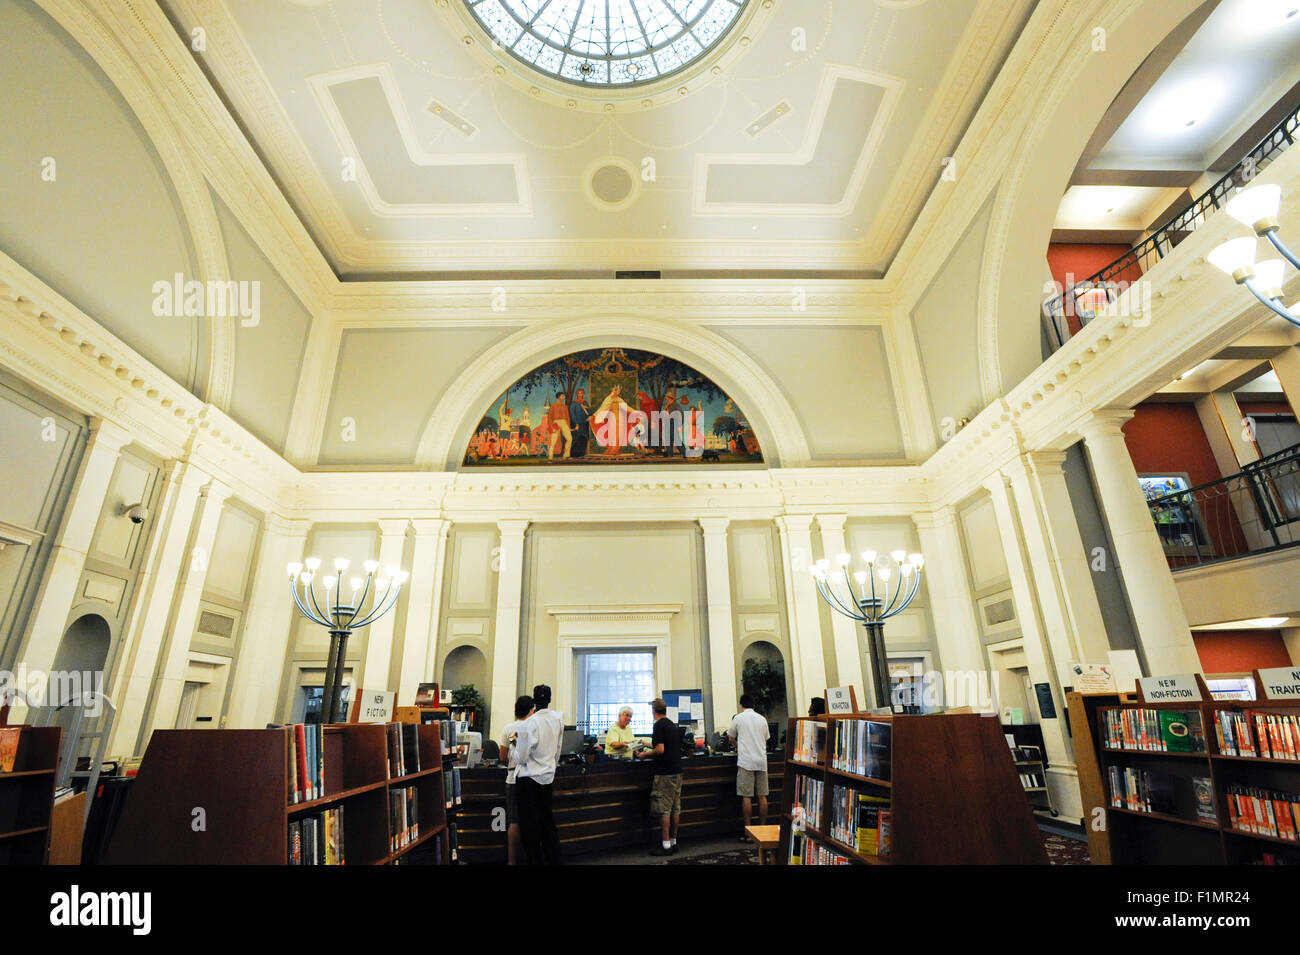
138	513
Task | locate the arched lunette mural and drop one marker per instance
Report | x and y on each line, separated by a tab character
613	406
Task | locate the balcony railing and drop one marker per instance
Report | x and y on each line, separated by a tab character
1253	511
1082	300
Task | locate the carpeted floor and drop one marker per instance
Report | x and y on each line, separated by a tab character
1061	850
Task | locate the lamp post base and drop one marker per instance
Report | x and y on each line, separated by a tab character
333	688
879	663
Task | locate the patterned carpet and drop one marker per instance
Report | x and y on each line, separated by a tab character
1061	850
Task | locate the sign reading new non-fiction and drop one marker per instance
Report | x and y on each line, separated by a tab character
839	700
377	707
1281	683
1170	689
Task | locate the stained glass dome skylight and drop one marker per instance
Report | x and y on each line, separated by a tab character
607	42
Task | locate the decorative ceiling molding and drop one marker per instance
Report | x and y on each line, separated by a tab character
605	613
17	535
814	138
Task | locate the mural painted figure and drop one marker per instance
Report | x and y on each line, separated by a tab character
613	406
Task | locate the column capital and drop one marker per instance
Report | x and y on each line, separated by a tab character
945	516
792	523
832	522
512	528
996	482
430	526
108	434
186	473
216	493
714	525
1104	423
393	527
291	527
1041	463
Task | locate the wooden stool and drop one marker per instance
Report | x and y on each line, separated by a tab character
768	840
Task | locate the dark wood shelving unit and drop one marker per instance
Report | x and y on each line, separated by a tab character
27	797
1135	837
240	779
955	795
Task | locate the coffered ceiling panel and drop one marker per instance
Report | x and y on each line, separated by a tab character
808	139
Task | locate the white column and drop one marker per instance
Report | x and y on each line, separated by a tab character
155	595
844	631
1062	774
67	561
1234	426
956	629
167	689
722	639
505	631
378	660
267	627
423	605
1286	364
1062	575
1152	594
808	663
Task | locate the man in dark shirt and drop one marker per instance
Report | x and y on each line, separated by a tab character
666	778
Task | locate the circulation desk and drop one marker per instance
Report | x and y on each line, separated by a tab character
607	804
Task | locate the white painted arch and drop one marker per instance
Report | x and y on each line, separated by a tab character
447	433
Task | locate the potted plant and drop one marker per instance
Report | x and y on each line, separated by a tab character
764	681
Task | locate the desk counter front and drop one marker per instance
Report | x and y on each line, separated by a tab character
607	804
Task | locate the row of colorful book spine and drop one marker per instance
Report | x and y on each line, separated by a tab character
451	786
306	762
862	747
1258	733
861	820
808	796
1264	812
317	839
805	850
1149	730
404	817
810	741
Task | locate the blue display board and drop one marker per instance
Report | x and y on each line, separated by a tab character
685	706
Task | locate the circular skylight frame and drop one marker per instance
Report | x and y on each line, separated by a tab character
656	53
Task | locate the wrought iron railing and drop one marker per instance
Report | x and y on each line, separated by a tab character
1081	300
1255	510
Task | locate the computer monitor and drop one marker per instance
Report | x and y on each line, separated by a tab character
571	743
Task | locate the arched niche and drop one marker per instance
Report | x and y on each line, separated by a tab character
83	650
770	652
465	664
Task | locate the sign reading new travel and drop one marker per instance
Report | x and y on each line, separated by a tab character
1170	689
613	406
1281	683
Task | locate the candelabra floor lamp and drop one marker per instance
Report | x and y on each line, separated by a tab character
338	618
868	606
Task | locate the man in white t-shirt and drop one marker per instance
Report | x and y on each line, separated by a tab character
523	710
748	730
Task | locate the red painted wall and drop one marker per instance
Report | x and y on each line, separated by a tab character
1236	651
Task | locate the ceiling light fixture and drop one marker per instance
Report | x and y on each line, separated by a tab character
1257	208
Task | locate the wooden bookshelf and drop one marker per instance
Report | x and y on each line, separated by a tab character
954	793
240	778
1128	836
27	797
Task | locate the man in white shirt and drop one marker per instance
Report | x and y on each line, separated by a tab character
748	730
537	750
523	710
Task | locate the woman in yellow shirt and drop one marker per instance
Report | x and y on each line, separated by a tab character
619	739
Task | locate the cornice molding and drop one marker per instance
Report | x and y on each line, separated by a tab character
608	613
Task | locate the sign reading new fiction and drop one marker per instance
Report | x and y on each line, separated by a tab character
376	707
1281	683
1170	689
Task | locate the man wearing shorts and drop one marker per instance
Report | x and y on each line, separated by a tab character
666	777
748	730
523	710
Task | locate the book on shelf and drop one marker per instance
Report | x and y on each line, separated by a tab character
863	747
810	741
426	695
855	818
1149	730
811	852
404	825
1203	793
1264	812
306	760
9	736
317	839
808	793
1258	733
1142	790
